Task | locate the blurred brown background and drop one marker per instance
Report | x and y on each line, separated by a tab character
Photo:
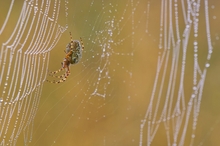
107	94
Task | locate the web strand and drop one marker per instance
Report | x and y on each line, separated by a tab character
23	61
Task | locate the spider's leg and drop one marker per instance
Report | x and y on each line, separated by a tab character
82	43
61	76
71	38
71	45
69	54
54	72
60	81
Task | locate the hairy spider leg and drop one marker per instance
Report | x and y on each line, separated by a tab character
71	44
54	72
60	81
81	41
61	76
69	54
71	38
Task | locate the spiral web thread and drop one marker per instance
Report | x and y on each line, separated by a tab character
24	56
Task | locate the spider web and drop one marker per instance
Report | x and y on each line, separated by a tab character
148	75
27	39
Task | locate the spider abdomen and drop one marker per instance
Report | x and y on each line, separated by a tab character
76	48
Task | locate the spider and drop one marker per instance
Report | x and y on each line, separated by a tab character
73	55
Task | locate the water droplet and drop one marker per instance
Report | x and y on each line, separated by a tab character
207	65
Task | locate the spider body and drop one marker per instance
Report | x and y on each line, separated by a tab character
75	51
73	55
